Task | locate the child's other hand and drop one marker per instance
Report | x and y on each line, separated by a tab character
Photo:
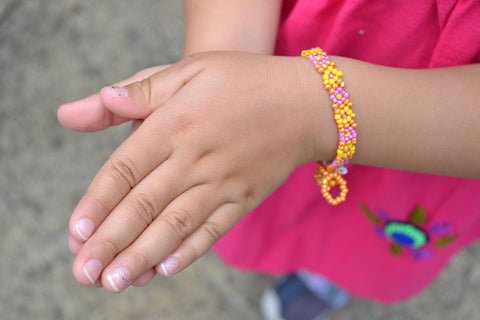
221	132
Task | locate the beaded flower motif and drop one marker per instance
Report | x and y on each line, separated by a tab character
413	235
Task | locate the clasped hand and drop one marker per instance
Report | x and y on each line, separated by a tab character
220	132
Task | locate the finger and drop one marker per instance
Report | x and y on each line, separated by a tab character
135	125
145	278
199	242
177	221
87	115
90	114
130	218
139	99
120	174
132	161
74	245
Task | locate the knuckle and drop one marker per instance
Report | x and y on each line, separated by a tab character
144	208
250	198
181	123
101	203
193	253
212	231
146	89
111	244
124	170
180	221
141	259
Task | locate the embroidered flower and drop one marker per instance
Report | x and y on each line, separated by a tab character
412	235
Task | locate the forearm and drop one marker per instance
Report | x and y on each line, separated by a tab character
240	25
416	120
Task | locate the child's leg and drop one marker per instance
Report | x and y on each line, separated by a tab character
302	296
337	297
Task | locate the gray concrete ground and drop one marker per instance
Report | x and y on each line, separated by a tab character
53	51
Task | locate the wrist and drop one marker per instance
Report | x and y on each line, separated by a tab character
329	174
321	127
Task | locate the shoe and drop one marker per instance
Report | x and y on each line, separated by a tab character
302	296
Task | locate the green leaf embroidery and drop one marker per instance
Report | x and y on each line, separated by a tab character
445	241
370	215
395	249
418	216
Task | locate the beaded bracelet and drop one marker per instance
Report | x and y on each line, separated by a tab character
329	174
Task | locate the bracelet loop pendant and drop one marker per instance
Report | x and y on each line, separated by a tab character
327	180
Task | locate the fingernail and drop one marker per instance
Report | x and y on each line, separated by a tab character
84	228
117	92
92	270
169	266
119	279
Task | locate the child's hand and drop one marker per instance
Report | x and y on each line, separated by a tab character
221	132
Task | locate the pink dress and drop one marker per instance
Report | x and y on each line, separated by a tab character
397	230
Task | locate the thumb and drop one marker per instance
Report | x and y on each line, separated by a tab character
139	99
89	114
